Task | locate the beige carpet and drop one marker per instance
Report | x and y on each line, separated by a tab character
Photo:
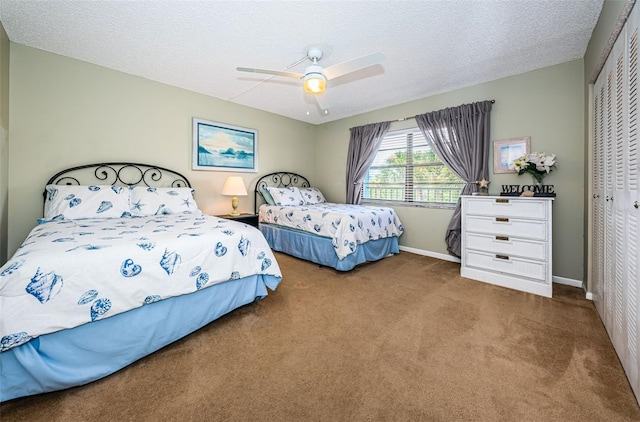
403	339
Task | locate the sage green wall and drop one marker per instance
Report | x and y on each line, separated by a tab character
4	144
545	104
611	10
66	112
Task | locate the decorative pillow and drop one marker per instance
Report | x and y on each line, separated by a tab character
156	201
286	196
267	197
70	202
312	196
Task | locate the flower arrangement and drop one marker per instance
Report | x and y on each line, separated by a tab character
537	164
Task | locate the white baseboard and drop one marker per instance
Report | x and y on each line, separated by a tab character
567	281
556	279
437	255
574	283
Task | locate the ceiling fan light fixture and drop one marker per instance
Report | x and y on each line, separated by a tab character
315	77
315	83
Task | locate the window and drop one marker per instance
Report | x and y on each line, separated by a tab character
405	169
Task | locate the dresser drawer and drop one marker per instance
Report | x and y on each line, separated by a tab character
506	264
506	226
506	245
507	207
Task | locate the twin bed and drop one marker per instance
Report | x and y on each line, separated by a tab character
296	219
124	263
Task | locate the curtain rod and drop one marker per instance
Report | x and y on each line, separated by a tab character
402	119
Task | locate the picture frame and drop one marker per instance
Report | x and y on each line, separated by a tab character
505	151
224	147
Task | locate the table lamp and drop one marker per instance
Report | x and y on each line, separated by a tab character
234	187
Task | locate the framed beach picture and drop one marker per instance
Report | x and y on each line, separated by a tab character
506	151
222	147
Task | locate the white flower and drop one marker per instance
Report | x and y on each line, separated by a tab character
546	162
536	163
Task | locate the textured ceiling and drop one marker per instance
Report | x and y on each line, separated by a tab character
431	46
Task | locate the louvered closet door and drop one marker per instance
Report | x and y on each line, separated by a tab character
618	195
597	248
609	220
631	209
616	198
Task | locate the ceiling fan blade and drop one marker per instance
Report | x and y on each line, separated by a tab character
271	72
323	102
343	68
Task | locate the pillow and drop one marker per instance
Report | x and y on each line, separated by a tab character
70	202
156	201
286	196
267	197
312	196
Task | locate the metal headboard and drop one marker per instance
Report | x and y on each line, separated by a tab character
121	174
279	179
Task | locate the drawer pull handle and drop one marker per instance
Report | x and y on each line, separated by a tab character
502	219
505	257
502	201
505	238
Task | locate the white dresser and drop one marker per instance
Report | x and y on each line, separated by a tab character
507	241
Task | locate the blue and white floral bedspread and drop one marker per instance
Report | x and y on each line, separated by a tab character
346	225
71	272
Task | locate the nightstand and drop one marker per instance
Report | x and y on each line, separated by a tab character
250	219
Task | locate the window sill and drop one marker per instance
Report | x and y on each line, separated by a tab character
384	203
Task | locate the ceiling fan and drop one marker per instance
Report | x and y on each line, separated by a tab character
315	77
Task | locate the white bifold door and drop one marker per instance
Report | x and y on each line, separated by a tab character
616	199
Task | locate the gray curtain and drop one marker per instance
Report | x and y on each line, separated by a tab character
460	138
363	145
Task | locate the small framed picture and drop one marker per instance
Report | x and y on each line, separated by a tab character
506	151
222	147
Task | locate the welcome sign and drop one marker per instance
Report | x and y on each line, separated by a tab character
519	190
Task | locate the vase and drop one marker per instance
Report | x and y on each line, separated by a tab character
537	182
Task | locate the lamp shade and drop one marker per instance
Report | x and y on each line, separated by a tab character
234	186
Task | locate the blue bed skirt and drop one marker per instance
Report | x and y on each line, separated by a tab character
77	356
318	249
